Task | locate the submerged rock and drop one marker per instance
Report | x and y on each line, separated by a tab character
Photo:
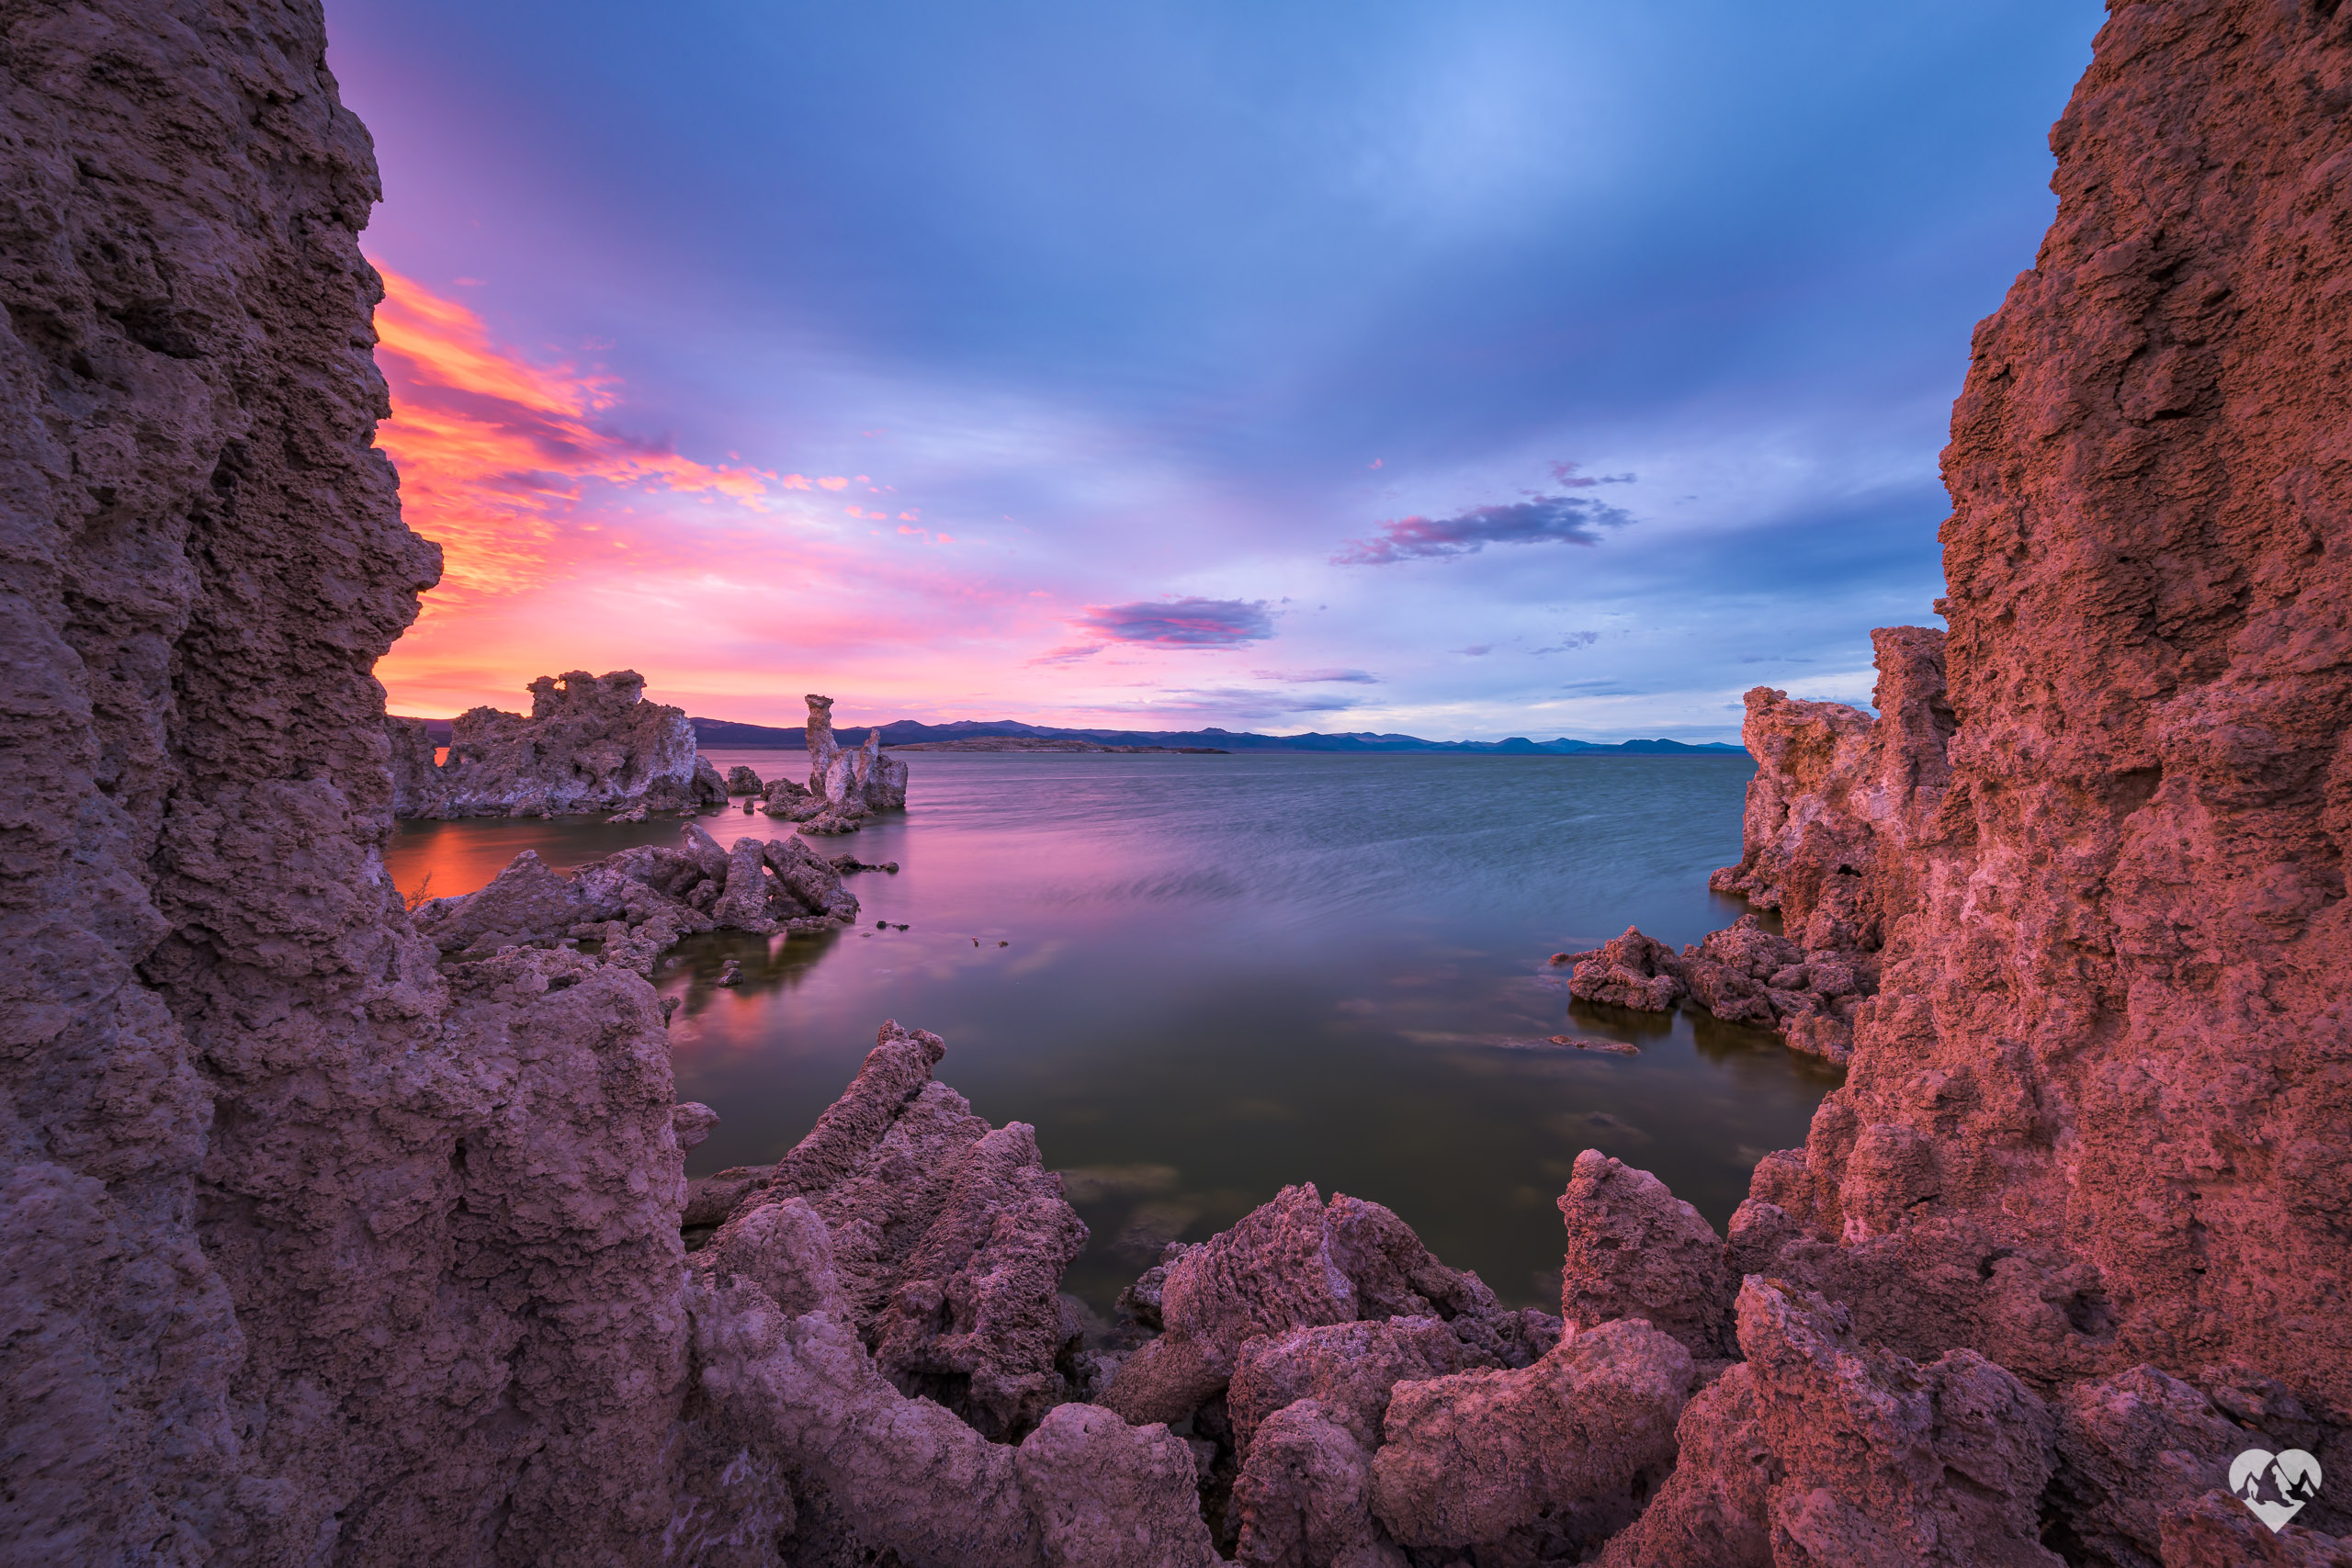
1629	971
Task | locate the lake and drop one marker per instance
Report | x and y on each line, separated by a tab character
1202	978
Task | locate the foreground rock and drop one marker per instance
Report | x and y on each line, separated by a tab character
316	1249
592	743
1298	1263
1819	1449
946	1238
1636	1250
1538	1464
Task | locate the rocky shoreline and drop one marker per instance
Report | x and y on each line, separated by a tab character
336	1234
1839	800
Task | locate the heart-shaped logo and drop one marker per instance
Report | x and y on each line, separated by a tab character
2292	1480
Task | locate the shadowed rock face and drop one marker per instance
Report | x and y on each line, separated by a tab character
592	743
314	1252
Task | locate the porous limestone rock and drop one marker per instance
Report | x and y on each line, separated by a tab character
1110	1496
1628	971
1745	974
1837	802
947	1237
1536	1464
319	1248
1296	1263
1839	797
416	773
591	744
1306	1496
741	779
1636	1250
1821	1449
1347	1369
2139	1451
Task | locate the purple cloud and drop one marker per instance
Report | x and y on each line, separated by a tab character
1181	622
1069	655
1544	520
1229	702
1573	477
1352	677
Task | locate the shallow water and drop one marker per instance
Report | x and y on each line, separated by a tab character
1202	978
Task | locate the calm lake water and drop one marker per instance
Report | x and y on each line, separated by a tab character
1202	978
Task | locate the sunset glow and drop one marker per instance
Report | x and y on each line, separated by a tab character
1137	368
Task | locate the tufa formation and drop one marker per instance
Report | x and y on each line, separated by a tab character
335	1239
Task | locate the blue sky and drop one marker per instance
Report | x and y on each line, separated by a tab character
1465	370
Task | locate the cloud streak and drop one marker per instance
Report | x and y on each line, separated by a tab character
1540	519
1181	622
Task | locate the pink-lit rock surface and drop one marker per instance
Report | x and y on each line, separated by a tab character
316	1252
1819	1449
1636	1250
2096	1110
1536	1464
1296	1263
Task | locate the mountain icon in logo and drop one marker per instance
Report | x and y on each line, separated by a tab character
2276	1487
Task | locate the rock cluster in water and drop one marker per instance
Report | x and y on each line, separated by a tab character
1839	801
592	743
845	785
635	905
326	1246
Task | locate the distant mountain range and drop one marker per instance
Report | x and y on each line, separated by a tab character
721	732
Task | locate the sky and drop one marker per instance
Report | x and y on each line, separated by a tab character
1464	370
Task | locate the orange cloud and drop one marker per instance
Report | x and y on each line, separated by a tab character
496	454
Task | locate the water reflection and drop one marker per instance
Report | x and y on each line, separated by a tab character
1202	978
